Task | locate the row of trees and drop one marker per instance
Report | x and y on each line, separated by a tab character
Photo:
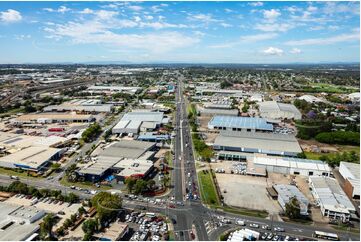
91	132
22	188
339	137
334	160
138	185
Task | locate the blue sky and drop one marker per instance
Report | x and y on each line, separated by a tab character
193	32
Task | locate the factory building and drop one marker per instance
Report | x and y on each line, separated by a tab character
18	223
248	124
114	89
218	108
332	200
292	166
45	118
139	121
128	153
286	192
81	105
255	142
278	111
351	173
34	158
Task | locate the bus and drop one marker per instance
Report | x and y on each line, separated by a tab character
324	235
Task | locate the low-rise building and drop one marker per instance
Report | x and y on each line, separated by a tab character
332	200
18	223
278	111
44	118
248	124
113	89
256	142
292	166
351	173
286	192
81	105
115	232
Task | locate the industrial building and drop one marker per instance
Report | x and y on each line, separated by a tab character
45	118
253	142
139	121
149	136
351	173
230	123
81	105
115	232
18	223
107	160
286	192
332	200
132	168
278	111
310	99
292	166
113	89
34	158
218	108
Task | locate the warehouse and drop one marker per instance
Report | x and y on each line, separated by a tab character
114	89
153	137
278	111
286	192
34	158
53	118
264	143
310	99
239	124
351	173
136	121
218	112
133	168
81	105
293	166
18	222
105	163
332	200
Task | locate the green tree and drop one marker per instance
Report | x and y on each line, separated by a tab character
130	183
47	226
293	209
107	205
140	186
55	167
90	226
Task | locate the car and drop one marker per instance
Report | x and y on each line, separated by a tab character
265	227
279	229
270	236
173	221
275	238
254	225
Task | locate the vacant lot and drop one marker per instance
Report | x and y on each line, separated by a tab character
246	192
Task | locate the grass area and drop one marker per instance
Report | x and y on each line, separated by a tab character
207	188
330	88
300	220
23	174
86	185
243	211
346	229
12	111
341	148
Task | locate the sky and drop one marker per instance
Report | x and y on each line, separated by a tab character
183	32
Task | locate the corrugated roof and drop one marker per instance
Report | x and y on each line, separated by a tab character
240	122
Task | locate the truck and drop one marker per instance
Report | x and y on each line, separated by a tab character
14	177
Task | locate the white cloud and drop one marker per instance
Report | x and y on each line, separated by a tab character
333	27
225	25
256	4
10	16
135	8
206	18
341	7
292	9
137	19
61	9
227	10
148	17
315	28
87	11
22	36
295	51
325	41
312	8
274	27
272	51
105	14
272	14
258	37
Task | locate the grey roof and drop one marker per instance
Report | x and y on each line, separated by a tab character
330	194
240	122
100	166
127	149
144	116
217	111
262	141
286	192
353	168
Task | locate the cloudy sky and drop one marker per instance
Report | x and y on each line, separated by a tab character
193	32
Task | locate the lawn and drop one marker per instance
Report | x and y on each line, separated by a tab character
23	174
329	88
207	188
86	185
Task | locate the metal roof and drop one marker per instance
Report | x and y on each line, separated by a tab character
240	122
260	141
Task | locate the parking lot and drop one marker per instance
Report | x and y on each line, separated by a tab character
246	192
